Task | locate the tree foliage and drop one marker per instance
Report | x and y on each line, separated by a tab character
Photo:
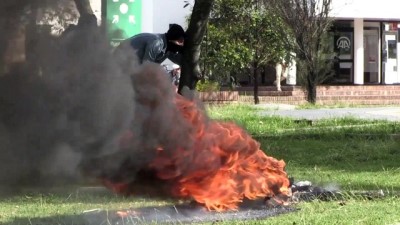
309	21
243	34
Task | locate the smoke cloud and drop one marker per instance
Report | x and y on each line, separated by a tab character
67	102
72	108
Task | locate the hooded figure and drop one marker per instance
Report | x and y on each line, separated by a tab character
157	47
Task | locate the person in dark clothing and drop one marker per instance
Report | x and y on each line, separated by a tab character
157	47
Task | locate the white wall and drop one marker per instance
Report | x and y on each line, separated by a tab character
147	14
96	7
166	12
158	14
367	9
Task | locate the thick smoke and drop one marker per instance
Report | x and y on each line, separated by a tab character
157	122
67	103
74	108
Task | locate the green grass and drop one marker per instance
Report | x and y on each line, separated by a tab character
360	212
350	154
65	205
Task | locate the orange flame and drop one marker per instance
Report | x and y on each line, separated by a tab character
224	166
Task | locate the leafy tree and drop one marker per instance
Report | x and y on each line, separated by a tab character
309	22
244	34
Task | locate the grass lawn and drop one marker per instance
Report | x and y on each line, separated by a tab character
348	154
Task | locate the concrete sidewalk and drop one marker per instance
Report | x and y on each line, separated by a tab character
368	113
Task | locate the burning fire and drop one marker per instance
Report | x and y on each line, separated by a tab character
224	166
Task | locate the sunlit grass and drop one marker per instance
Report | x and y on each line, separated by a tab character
55	206
348	154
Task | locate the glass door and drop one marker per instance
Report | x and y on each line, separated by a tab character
390	54
343	59
371	55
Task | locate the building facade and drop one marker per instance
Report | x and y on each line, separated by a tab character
366	41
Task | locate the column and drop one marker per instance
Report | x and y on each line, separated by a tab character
358	51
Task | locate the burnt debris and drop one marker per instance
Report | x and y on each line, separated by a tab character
306	191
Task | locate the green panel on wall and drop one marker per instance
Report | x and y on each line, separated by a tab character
124	19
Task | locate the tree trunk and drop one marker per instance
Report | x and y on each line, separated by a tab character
83	7
255	76
311	90
191	54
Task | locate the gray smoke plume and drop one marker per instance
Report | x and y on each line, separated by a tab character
68	102
75	109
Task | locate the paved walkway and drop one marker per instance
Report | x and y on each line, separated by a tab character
371	113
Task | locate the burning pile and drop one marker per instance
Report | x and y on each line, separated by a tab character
217	163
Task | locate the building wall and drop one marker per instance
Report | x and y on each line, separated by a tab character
158	14
385	16
367	9
96	7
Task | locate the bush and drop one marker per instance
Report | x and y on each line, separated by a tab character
207	85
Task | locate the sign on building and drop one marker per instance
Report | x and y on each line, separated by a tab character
344	45
124	19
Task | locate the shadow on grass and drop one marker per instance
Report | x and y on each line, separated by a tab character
59	220
170	214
